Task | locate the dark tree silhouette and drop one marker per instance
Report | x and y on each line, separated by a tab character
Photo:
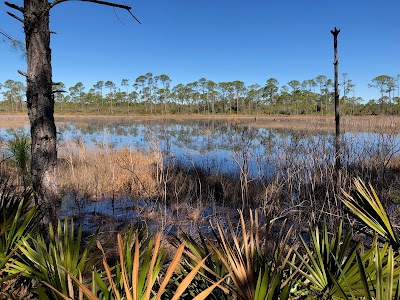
337	114
40	100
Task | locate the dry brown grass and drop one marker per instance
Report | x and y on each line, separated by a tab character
301	187
394	163
386	124
15	120
99	173
348	123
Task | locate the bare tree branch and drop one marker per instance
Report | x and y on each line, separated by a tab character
58	91
128	8
134	16
94	1
22	73
15	17
12	5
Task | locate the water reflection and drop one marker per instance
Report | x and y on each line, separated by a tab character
223	146
245	153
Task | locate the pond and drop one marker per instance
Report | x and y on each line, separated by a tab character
219	146
223	145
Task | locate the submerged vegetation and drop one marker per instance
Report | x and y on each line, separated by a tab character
223	165
280	171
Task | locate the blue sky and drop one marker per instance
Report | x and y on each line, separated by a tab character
220	40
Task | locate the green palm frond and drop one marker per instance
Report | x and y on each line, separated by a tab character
50	261
253	272
19	147
366	206
328	267
134	278
18	219
380	277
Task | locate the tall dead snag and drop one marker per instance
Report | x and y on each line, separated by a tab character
40	101
337	113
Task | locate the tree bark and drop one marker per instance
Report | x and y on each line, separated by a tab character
337	112
40	99
40	103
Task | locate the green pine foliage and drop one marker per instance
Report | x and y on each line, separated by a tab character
154	94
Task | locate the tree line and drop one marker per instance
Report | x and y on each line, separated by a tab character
154	94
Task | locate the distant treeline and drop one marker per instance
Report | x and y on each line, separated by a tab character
149	94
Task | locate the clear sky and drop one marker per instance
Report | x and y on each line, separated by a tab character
220	40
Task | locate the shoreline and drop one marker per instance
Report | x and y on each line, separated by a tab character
326	123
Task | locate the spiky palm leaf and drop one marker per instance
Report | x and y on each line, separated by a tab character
18	218
364	203
134	276
252	272
380	276
213	269
50	261
329	268
20	149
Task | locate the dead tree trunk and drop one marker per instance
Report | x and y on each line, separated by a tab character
337	114
40	103
40	100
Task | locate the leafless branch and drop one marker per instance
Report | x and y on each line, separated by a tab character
57	83
134	16
128	8
12	5
15	17
22	73
94	1
58	91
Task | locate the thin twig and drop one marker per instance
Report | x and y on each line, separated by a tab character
115	13
13	41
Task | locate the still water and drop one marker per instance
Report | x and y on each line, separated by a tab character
223	146
215	147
